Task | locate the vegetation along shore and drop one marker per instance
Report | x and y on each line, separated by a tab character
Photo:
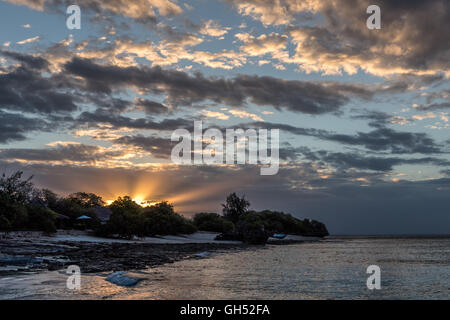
40	230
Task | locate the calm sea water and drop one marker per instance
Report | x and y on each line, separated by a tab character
330	269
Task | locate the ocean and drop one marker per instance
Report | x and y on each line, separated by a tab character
335	268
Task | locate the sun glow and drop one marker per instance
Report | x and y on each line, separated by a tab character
140	201
144	203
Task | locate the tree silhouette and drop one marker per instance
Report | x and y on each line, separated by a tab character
87	200
235	207
17	189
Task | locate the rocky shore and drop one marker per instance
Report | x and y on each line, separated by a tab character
24	254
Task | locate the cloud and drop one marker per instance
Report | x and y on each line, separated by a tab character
24	89
434	106
273	44
15	127
352	160
244	114
435	101
100	117
213	29
158	147
376	119
386	139
214	114
429	115
137	9
151	107
337	40
183	89
70	153
381	139
30	61
271	12
29	40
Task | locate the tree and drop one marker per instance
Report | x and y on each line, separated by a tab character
212	222
13	216
86	200
17	189
126	218
50	198
161	219
41	218
235	207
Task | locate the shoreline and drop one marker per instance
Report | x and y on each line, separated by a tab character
33	251
25	251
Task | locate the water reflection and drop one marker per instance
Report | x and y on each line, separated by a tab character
333	269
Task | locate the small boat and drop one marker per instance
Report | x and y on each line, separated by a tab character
279	235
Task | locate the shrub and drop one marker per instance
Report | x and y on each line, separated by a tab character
250	229
279	222
126	218
68	208
41	218
161	219
13	216
5	225
212	222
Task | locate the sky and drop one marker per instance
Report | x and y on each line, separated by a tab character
363	113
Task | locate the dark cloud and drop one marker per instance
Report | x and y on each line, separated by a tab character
141	11
436	101
173	35
352	160
101	116
61	152
381	139
434	106
151	107
385	139
376	119
32	62
108	104
412	38
24	89
159	147
15	127
405	24
184	90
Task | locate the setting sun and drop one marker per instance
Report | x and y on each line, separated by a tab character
139	200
